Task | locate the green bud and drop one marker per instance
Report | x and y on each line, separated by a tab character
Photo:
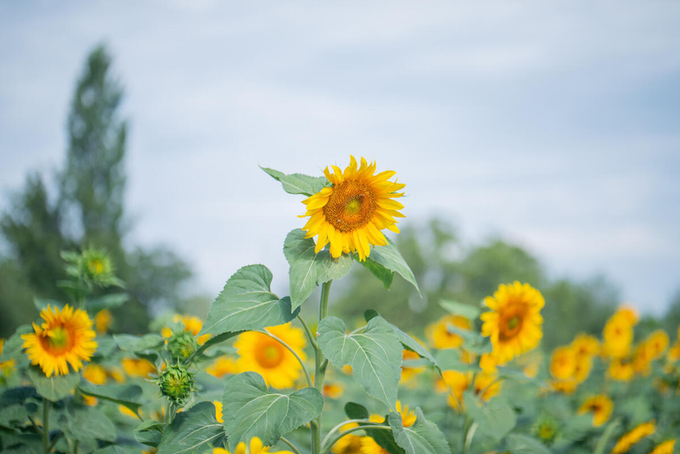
182	345
176	383
546	429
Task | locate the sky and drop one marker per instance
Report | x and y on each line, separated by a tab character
555	125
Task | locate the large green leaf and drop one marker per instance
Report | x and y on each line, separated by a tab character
297	183
214	340
383	274
54	388
138	344
464	310
525	444
389	257
91	423
13	345
423	437
495	418
194	431
307	269
126	395
11	414
374	354
149	433
247	303
250	410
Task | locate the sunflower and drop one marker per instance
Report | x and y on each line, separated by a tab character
369	446
95	374
350	443
218	411
600	406
563	363
224	365
65	337
514	322
408	373
456	383
6	367
666	447
632	437
658	343
351	213
618	337
621	369
137	367
642	358
585	345
266	356
256	447
439	333
102	321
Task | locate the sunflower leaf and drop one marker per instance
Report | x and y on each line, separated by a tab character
307	269
195	430
297	183
525	444
495	418
464	310
390	258
383	274
14	344
138	344
374	354
423	437
449	359
247	303
126	395
250	410
106	302
54	388
91	423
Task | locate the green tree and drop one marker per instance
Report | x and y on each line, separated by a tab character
88	210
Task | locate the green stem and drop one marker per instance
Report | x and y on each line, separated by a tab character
353	429
292	446
602	443
365	422
310	336
320	363
470	433
46	426
290	349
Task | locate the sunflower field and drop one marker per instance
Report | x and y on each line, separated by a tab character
257	377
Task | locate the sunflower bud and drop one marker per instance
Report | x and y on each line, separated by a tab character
182	345
546	429
177	383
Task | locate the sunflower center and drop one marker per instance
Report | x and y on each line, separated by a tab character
511	324
350	206
95	266
270	355
58	339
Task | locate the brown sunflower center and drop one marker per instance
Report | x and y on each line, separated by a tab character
58	340
270	355
350	206
511	324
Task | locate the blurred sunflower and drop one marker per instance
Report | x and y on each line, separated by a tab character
369	446
514	322
66	337
218	411
600	406
632	437
621	369
618	337
6	367
408	373
350	443
642	359
585	345
667	447
191	323
266	356
102	321
224	365
352	212
256	447
134	367
658	343
563	363
439	333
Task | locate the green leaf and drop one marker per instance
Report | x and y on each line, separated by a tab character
464	310
517	375
138	344
375	355
423	437
149	433
495	418
106	345
54	388
252	411
383	274
12	414
13	345
214	340
127	395
194	431
297	183
247	303
449	359
389	257
525	444
92	423
356	411
42	303
106	302
415	346
307	269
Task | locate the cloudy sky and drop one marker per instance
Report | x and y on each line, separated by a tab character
553	124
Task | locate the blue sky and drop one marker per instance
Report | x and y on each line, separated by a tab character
552	124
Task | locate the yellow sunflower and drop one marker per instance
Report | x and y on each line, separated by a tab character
102	321
658	343
514	322
218	411
65	337
350	443
256	447
642	358
224	365
585	345
600	406
439	334
408	374
621	369
141	368
369	446
618	337
632	437
666	447
6	367
674	352
352	212
266	356
95	374
563	363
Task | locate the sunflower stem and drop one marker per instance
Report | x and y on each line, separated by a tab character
310	336
320	364
292	446
46	426
290	349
